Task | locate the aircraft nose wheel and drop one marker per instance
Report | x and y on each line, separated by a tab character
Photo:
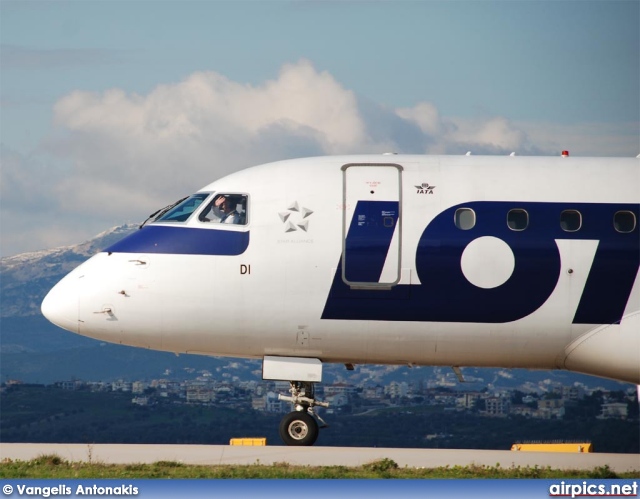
298	428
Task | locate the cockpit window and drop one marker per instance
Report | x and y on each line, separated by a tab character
226	209
183	210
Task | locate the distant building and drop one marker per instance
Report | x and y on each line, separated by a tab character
616	410
164	388
200	395
523	410
272	404
550	403
139	387
121	386
250	386
373	392
99	386
445	399
259	403
338	400
225	391
497	406
339	388
397	390
468	400
550	409
74	384
573	392
282	386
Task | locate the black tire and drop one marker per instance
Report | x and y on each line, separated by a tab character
298	428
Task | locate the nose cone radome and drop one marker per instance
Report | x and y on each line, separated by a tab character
60	306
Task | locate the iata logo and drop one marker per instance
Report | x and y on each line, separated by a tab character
425	188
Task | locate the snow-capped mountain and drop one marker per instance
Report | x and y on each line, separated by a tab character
25	279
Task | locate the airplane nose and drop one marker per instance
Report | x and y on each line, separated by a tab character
60	306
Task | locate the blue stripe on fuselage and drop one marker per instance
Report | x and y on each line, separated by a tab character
445	295
183	241
368	241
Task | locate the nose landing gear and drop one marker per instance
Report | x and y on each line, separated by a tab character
300	427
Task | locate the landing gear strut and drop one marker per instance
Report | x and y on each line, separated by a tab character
300	426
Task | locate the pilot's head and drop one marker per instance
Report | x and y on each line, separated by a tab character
223	203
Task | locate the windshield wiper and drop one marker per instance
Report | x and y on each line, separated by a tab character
157	214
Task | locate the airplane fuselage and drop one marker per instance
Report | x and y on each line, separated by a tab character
423	260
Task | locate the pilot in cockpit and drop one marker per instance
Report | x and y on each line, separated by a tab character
227	211
224	209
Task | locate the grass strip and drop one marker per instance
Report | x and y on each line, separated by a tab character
52	466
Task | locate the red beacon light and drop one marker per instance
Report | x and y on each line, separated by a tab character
565	154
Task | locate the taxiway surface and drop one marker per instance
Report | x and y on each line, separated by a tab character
316	456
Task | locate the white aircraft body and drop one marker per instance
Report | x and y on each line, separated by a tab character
515	262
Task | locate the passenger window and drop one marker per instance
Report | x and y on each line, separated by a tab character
517	219
226	209
624	221
465	218
570	220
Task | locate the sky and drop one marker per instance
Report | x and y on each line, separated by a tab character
110	110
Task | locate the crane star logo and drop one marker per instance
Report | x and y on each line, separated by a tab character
295	217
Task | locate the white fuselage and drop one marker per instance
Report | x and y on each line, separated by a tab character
287	292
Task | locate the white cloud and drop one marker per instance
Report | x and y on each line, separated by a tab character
183	135
493	136
426	116
114	157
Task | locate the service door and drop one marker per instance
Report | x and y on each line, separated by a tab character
371	225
